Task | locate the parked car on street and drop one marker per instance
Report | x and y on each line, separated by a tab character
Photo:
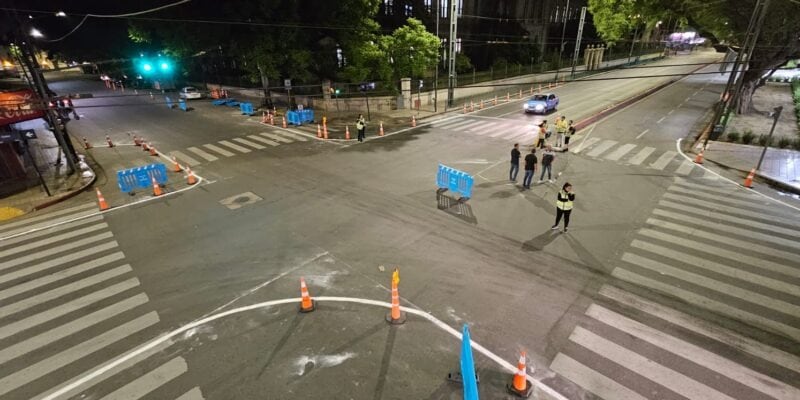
541	103
190	92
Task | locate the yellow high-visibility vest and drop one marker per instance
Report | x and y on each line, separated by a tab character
564	205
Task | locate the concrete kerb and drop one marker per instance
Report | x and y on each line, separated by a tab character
68	195
541	391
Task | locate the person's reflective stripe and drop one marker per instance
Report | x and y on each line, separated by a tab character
564	205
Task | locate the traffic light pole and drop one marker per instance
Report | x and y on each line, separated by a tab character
578	42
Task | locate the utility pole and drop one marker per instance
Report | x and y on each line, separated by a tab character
633	42
451	70
749	52
438	54
561	49
775	115
578	42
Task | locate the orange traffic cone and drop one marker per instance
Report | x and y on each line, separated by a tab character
319	131
145	145
175	166
190	178
471	106
531	92
414	119
306	304
481	104
264	118
153	151
520	385
156	188
136	141
86	144
283	124
495	100
108	140
380	131
395	317
699	158
748	182
520	93
508	97
540	88
272	120
101	201
465	108
324	131
347	132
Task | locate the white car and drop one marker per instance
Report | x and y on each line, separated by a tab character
190	92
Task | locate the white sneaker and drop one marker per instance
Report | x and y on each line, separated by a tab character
551	181
554	227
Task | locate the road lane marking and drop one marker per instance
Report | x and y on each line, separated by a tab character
717	206
641	156
234	146
51	240
732	219
278	138
685	168
659	121
728	198
11	233
28	221
249	143
662	161
201	153
150	381
585	139
7	277
592	380
55	250
644	132
601	148
621	151
294	136
671	111
184	158
683	184
219	150
264	140
193	394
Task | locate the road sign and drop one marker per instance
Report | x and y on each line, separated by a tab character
287	83
17	135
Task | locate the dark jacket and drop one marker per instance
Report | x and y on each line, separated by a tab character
515	156
530	162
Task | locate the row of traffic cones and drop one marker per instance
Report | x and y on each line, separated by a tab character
748	181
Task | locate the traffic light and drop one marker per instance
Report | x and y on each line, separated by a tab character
147	67
164	66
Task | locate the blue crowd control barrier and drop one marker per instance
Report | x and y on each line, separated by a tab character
182	105
469	379
246	108
220	102
299	117
169	102
131	179
455	181
232	103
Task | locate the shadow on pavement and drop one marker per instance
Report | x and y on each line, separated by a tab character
539	242
456	207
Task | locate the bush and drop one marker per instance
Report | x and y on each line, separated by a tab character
784	142
732	137
764	140
748	136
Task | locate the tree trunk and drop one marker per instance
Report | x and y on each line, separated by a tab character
745	100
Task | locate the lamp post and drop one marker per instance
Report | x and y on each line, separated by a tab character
775	115
563	32
633	41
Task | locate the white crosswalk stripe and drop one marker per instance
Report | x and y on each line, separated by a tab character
601	148
68	302
234	146
583	145
637	346
206	156
219	150
183	158
249	143
293	135
277	138
641	156
264	140
685	168
664	160
621	151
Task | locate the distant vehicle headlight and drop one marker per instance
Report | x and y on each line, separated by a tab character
525	106
539	106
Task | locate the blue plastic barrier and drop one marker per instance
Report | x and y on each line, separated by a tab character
455	181
299	117
169	102
469	379
246	108
182	105
141	177
221	102
232	103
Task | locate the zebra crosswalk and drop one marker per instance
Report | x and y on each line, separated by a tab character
718	251
69	299
211	152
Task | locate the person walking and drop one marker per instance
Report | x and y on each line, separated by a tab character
512	175
361	126
561	130
570	132
542	135
547	163
564	204
530	167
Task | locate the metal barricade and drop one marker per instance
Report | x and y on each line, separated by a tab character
454	180
131	179
246	108
299	117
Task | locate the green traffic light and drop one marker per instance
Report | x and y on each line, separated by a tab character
164	66
337	91
147	67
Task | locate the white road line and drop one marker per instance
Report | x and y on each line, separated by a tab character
704	328
745	295
696	354
68	307
208	157
722	269
52	294
278	138
685	168
46	224
671	111
193	394
150	381
264	140
592	380
587	143
55	250
729	229
249	143
641	156
684	200
707	174
294	136
621	151
726	198
728	218
502	130
662	161
51	239
26	222
455	124
645	367
705	302
470	125
61	260
582	145
661	119
219	150
43	339
707	188
50	231
644	132
601	148
184	158
234	146
48	365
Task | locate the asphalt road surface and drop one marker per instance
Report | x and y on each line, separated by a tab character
671	283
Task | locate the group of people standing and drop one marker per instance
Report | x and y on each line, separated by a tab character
566	196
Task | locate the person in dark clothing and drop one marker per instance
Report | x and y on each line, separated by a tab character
564	204
361	126
547	163
570	132
530	166
512	175
542	135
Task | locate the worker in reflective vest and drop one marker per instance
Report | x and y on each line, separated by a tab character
561	130
564	203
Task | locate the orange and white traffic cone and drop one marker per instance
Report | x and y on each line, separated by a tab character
145	145
319	131
395	317
540	88
471	106
520	93
156	187
175	166
108	140
699	158
325	131
380	130
748	182
414	120
101	201
346	132
283	123
272	120
136	141
264	118
153	151
520	385
190	178
508	97
306	304
465	108
481	105
495	100
86	144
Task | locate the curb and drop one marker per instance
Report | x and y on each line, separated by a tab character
66	196
765	178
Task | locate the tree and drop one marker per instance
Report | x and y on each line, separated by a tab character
412	49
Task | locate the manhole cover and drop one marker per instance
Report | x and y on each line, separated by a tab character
240	200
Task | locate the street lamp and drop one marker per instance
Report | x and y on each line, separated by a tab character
61	14
36	33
